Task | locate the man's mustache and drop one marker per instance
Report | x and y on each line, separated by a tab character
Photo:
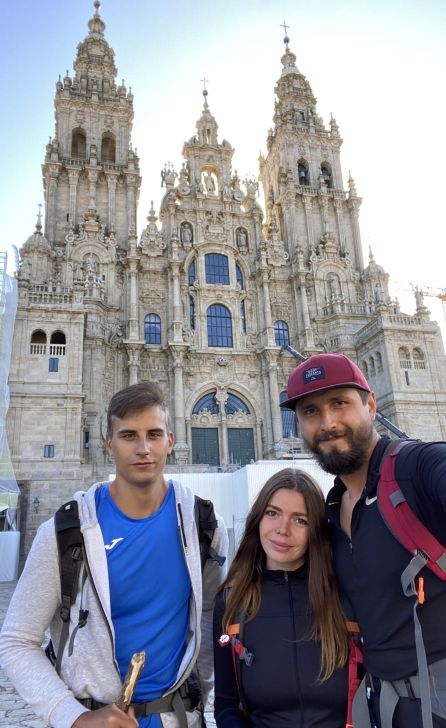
330	436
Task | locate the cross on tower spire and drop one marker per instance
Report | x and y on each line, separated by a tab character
204	81
286	39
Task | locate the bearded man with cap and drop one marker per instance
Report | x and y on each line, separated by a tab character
335	410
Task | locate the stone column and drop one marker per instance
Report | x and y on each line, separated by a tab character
221	398
267	301
132	260
258	434
50	217
308	206
131	203
73	177
276	418
309	338
353	205
112	181
133	358
340	223
177	323
92	179
180	448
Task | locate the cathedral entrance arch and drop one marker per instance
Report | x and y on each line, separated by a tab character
222	430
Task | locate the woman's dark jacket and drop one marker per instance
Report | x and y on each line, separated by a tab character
281	686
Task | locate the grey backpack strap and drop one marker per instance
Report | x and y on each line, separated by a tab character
360	706
408	584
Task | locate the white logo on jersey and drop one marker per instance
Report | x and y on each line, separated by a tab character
113	543
369	501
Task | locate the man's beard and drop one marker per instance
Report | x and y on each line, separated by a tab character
347	461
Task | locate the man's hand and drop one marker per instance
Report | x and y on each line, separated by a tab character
108	717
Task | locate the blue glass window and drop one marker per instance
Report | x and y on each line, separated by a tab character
191	313
235	404
219	324
53	364
281	333
48	451
243	315
152	329
239	276
217	268
206	403
191	273
289	424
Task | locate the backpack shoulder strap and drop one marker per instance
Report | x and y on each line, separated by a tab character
403	522
238	650
70	544
206	522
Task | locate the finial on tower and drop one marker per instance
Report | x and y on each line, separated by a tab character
39	218
286	39
97	6
204	81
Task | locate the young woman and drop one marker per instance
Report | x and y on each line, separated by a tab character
281	588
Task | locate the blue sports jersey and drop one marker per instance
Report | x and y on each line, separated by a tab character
149	593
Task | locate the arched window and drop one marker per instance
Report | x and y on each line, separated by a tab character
289	423
243	316
372	366
191	313
379	361
38	342
234	404
404	357
191	273
365	368
78	144
302	172
57	344
152	329
281	333
418	359
108	148
219	325
239	276
217	268
207	402
326	174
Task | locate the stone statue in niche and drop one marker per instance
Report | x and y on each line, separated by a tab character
186	233
242	238
335	286
91	264
209	183
78	272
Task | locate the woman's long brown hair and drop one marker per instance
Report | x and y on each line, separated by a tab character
246	571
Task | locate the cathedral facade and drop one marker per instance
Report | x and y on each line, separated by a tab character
205	301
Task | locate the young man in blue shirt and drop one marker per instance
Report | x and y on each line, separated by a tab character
141	585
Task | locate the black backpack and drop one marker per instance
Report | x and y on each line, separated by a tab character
70	546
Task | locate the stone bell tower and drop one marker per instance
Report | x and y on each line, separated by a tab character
73	315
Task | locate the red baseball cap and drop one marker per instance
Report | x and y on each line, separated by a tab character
323	371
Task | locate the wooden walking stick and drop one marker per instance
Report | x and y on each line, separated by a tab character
128	687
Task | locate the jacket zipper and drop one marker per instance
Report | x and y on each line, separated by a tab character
93	586
296	661
192	662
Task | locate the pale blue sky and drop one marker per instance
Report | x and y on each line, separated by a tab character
378	66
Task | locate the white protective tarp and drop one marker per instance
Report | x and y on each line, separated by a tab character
9	490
